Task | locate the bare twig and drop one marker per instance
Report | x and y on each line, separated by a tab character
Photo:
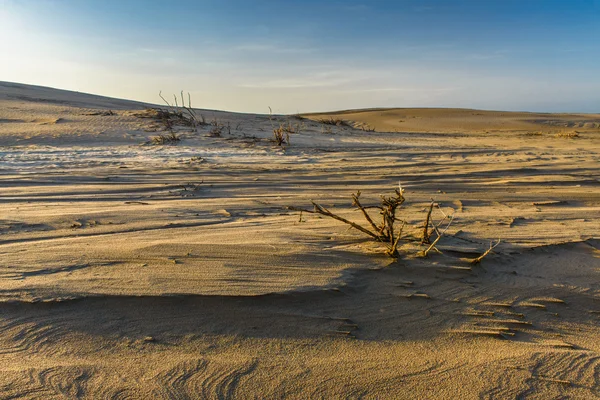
166	102
426	235
393	250
439	236
323	211
356	202
271	117
488	251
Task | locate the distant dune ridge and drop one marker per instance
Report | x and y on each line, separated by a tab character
455	120
41	94
135	270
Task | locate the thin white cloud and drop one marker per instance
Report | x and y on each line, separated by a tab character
272	48
401	89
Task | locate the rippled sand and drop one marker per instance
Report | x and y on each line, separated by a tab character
139	271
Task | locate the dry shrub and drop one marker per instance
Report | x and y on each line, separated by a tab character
169	119
386	230
281	134
182	115
334	121
568	135
218	128
161	139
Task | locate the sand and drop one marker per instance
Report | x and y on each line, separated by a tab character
130	270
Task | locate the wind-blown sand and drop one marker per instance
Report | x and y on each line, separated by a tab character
140	271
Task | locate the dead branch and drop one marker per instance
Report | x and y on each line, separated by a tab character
426	235
323	211
166	102
356	203
488	251
439	236
393	250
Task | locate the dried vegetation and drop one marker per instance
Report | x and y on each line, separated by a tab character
162	139
281	134
172	117
388	228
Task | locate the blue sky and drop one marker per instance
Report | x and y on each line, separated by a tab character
299	56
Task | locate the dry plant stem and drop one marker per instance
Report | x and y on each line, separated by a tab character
393	250
488	251
322	210
192	120
426	235
271	117
388	214
166	102
435	228
356	202
431	246
439	236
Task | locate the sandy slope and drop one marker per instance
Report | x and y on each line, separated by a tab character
139	271
448	120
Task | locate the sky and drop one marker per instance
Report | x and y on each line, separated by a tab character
309	55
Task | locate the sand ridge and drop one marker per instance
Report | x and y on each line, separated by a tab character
449	120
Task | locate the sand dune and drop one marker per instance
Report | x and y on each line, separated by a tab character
448	120
130	270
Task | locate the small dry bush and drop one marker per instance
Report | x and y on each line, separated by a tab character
161	139
390	228
386	230
169	119
568	135
281	134
216	131
334	121
218	128
182	115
